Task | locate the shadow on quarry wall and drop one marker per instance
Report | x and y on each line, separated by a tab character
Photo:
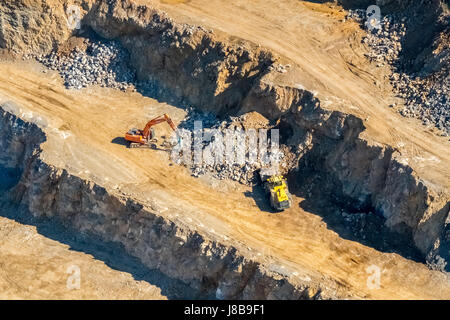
9	177
111	253
426	31
351	222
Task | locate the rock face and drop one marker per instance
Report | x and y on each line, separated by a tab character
28	26
212	73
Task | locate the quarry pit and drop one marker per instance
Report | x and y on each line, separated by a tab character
370	187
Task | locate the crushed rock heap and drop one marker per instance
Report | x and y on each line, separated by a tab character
423	82
103	63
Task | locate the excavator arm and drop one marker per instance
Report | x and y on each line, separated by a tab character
157	120
170	122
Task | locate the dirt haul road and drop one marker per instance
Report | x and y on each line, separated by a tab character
80	128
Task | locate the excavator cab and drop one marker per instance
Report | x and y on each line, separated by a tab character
134	131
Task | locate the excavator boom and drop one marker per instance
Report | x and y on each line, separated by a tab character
157	120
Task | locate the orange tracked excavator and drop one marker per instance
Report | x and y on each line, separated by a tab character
144	138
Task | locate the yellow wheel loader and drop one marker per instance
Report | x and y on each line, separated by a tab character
277	190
